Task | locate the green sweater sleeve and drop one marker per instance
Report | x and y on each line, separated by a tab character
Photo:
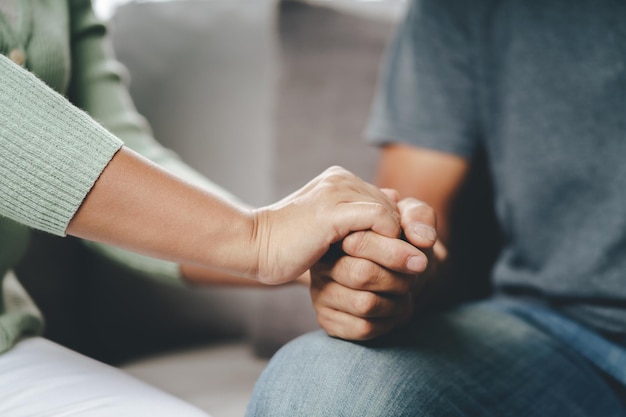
98	86
51	153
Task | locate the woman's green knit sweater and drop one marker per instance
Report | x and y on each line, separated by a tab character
64	113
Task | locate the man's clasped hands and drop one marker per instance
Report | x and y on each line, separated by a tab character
367	251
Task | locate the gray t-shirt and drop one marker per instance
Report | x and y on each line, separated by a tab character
541	87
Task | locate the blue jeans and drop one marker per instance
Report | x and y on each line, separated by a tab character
484	359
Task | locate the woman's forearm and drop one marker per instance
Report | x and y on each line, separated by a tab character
139	206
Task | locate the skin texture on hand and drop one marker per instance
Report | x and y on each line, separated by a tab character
365	291
361	300
325	211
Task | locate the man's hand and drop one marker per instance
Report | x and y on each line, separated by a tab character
364	289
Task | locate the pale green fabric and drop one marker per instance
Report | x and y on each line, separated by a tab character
63	115
51	152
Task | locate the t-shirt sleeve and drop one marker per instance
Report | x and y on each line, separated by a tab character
427	92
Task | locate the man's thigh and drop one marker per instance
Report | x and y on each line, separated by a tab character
472	361
40	378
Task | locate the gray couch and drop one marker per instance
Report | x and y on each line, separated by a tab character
259	97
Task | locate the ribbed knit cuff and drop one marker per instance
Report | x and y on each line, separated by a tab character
51	153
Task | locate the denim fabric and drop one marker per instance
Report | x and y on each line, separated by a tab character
477	360
609	357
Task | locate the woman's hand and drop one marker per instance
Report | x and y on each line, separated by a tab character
294	233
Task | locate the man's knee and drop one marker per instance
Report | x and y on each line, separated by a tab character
473	361
316	375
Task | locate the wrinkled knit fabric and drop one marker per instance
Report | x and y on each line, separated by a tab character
64	113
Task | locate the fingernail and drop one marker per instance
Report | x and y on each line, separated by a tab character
416	263
424	231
